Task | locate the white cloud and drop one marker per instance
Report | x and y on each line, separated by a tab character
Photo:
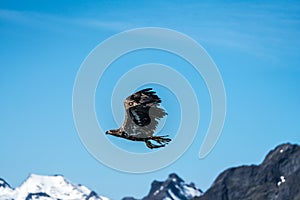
45	20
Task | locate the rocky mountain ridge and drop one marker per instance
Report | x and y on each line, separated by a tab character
276	178
172	188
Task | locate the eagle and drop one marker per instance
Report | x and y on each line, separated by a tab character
143	113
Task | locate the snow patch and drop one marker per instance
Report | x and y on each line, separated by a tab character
281	151
156	192
172	195
191	192
282	180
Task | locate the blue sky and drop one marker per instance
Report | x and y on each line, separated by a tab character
43	43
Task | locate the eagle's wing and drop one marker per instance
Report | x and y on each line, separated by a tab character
142	113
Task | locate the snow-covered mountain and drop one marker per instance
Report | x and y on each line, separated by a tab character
5	190
37	187
174	188
277	177
47	188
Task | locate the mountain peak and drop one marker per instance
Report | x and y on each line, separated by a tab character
281	151
277	177
36	179
48	187
172	188
175	178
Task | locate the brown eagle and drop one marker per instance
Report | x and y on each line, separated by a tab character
141	119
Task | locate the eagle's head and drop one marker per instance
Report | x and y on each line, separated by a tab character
117	133
128	103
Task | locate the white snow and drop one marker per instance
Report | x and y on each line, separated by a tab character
156	192
281	151
282	180
57	187
191	192
173	196
177	186
279	183
5	191
184	189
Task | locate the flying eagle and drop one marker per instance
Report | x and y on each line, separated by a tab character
141	119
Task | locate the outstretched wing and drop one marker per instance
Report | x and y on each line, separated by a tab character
142	113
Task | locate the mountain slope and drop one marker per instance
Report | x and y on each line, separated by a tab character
174	188
5	189
47	188
277	177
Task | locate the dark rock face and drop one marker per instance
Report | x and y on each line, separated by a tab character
277	178
129	198
92	195
38	195
4	184
172	188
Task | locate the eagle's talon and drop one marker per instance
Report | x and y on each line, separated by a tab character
152	146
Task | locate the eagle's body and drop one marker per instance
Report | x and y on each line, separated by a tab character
141	119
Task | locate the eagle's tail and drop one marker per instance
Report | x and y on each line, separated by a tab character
161	140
